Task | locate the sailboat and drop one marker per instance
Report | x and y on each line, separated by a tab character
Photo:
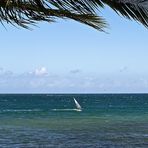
78	107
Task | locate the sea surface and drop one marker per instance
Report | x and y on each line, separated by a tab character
48	121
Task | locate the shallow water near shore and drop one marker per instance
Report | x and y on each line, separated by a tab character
106	120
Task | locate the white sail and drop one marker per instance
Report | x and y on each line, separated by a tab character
77	104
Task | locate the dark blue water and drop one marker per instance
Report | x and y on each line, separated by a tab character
111	120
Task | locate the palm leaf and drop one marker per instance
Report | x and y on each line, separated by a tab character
25	12
131	9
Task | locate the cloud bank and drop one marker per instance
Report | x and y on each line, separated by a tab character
41	81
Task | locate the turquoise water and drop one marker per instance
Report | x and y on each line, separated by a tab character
111	120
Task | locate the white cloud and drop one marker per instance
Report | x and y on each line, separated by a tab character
5	73
42	71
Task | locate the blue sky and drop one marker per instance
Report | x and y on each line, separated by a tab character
68	57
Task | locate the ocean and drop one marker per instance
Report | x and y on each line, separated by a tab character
48	121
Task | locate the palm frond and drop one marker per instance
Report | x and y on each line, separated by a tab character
131	9
25	12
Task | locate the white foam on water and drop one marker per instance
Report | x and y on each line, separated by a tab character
20	110
78	110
